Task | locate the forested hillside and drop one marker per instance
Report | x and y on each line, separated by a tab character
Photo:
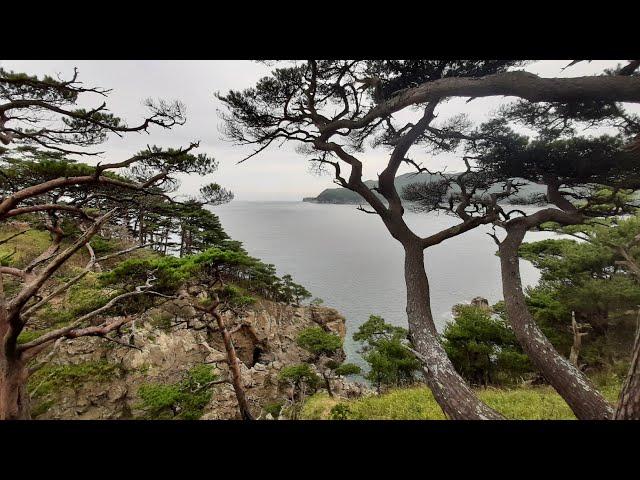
527	192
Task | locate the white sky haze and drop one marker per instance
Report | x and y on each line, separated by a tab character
276	174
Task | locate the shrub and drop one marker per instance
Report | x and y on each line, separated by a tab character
273	408
103	245
85	297
184	400
318	341
483	348
229	258
340	411
347	369
390	362
300	374
52	378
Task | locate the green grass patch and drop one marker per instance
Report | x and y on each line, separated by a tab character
83	297
51	378
87	295
184	400
42	408
27	336
27	246
536	403
102	245
273	408
417	403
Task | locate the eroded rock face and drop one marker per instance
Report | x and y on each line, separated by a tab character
264	339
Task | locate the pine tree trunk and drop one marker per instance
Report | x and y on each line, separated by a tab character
234	368
182	241
189	242
165	240
14	398
629	402
327	384
573	386
452	393
141	234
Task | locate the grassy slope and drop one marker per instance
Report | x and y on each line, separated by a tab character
417	403
18	251
84	296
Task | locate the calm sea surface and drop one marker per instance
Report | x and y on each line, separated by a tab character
347	258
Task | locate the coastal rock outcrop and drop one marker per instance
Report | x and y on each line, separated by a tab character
481	303
264	338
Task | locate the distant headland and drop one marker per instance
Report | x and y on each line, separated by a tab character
340	195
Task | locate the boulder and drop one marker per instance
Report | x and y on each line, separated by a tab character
481	303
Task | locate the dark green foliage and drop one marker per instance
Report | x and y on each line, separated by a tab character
273	408
159	400
198	228
483	348
585	277
390	362
235	296
399	74
85	298
168	272
214	194
347	369
318	341
558	153
234	264
575	160
51	378
292	290
376	329
33	167
149	216
326	348
103	245
184	400
340	411
299	375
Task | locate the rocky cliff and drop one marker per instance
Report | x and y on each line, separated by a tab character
94	379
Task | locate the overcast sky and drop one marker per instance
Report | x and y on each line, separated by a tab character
277	174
